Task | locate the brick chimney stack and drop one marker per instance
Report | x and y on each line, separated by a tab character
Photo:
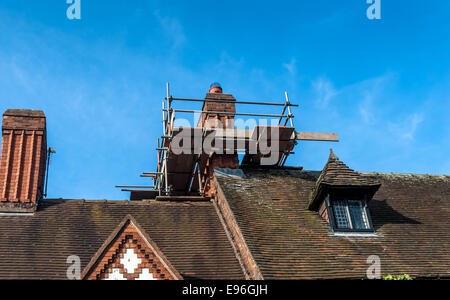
212	120
224	118
23	160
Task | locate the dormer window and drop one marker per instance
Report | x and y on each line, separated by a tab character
341	196
349	215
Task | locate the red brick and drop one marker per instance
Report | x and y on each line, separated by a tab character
23	160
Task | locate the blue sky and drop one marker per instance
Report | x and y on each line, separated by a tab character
381	84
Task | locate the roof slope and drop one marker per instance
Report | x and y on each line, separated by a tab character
189	234
338	173
411	215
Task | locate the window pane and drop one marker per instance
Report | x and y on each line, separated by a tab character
340	214
358	215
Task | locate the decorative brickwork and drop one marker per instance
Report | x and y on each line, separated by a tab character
23	160
130	255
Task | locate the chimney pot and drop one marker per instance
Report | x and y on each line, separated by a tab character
215	88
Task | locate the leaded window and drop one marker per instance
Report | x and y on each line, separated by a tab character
340	214
349	215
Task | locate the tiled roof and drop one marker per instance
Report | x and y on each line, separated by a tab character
410	213
338	174
189	234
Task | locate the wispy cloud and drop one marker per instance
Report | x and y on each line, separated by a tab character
21	77
406	128
291	67
368	113
370	95
324	90
172	28
367	97
366	110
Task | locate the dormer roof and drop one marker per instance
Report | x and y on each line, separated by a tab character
337	174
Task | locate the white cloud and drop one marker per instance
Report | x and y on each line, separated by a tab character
291	67
365	110
406	128
325	91
172	29
369	96
22	78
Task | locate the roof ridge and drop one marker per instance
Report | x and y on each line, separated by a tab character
332	155
403	174
262	167
126	202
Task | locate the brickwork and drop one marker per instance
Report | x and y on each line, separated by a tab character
213	120
112	258
323	212
225	161
230	161
23	158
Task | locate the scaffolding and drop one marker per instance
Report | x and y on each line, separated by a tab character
186	173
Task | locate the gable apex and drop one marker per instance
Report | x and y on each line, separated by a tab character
129	253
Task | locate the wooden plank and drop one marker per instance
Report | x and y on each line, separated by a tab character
134	186
317	136
256	132
216	132
265	132
232	133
